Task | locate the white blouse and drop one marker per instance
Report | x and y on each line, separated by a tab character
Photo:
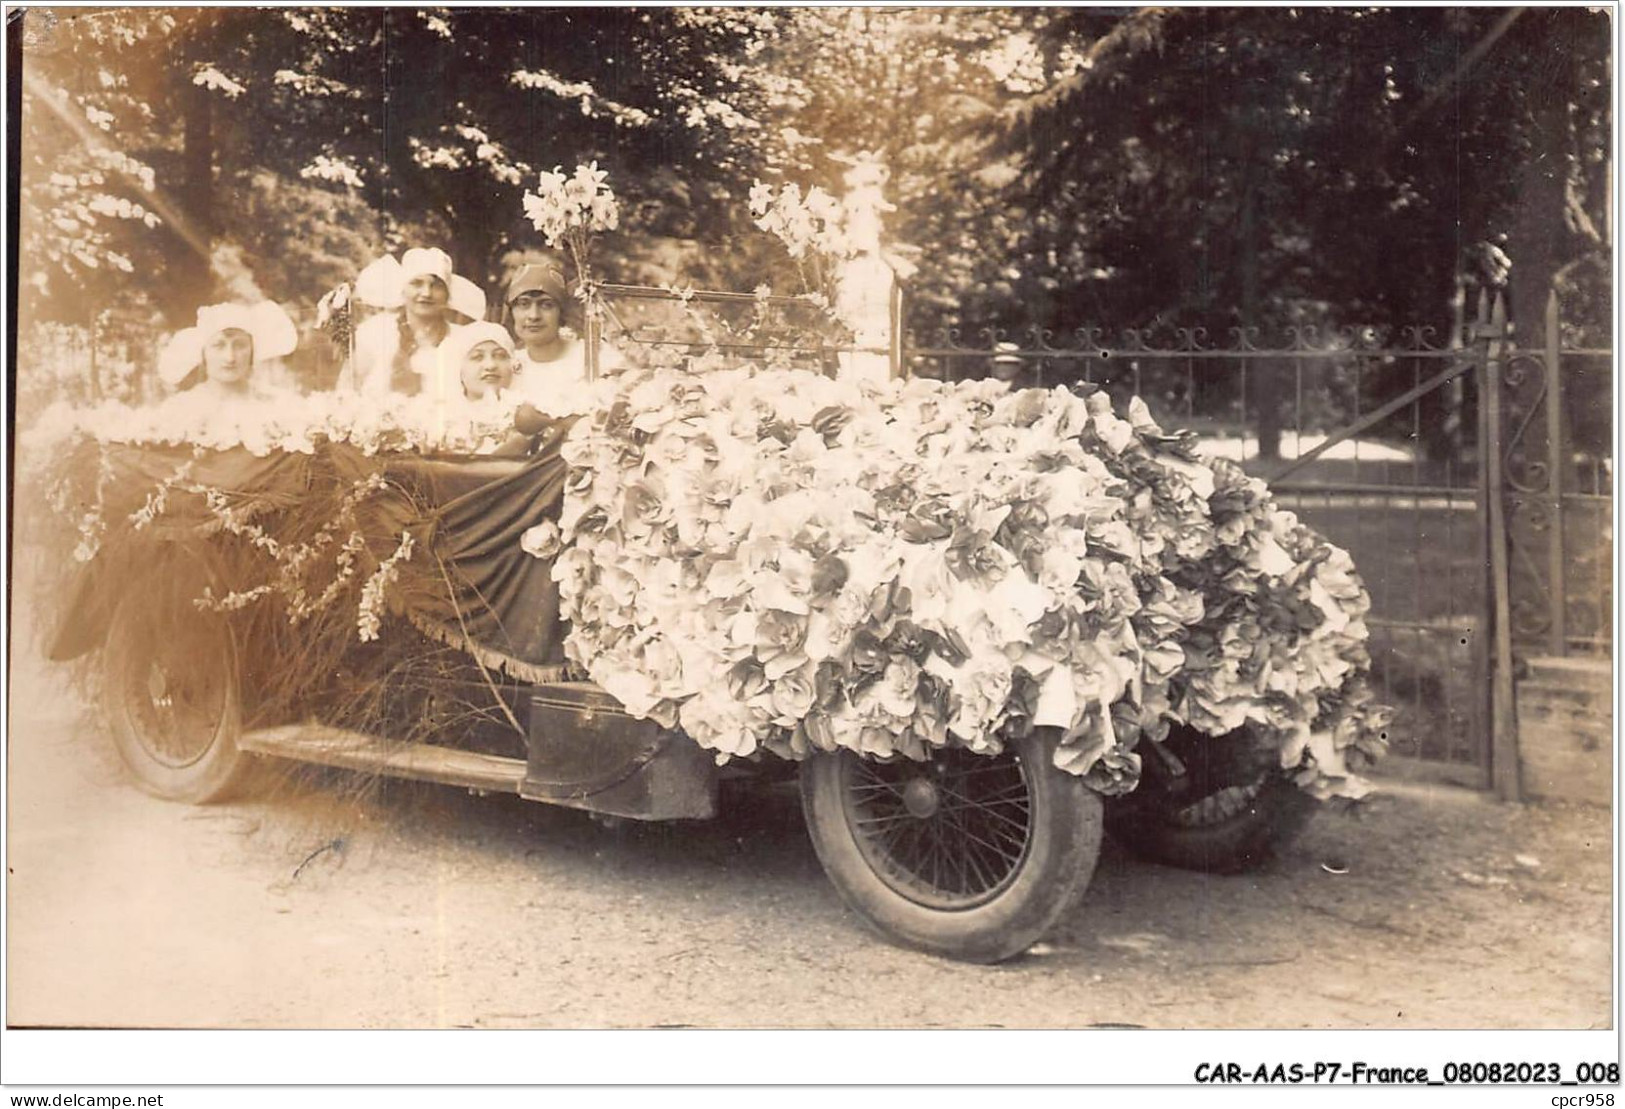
376	343
536	383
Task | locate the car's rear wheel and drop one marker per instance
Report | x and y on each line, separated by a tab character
968	856
172	688
1227	809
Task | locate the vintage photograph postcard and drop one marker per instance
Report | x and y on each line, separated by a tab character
813	518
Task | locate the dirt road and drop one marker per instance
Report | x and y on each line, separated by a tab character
316	906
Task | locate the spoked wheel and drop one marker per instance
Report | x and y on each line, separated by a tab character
172	690
966	856
1226	809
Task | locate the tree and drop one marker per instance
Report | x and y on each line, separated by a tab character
444	117
1263	167
87	180
914	87
434	120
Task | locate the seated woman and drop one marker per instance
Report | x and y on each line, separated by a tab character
476	377
395	351
552	359
479	359
213	363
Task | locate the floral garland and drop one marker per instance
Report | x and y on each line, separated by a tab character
308	565
297	423
776	560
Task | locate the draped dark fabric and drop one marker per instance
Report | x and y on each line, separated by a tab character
127	479
468	582
500	598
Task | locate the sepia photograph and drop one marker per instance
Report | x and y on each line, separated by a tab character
815	518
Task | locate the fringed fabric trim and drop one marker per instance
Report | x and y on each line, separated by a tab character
518	669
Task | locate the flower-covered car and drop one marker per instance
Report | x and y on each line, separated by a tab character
982	625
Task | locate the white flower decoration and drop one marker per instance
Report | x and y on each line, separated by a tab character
541	541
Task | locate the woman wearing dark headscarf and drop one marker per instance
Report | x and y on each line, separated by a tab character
542	314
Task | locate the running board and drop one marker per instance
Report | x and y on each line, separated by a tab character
423	762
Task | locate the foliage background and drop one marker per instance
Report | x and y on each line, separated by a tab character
1056	168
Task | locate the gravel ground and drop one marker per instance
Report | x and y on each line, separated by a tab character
327	902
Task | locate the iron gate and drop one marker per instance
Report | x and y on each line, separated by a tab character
1559	481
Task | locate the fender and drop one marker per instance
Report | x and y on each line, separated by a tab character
99	585
81	626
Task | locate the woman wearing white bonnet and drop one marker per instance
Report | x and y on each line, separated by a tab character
395	351
476	371
476	363
215	360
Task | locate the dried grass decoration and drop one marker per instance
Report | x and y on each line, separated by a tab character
368	585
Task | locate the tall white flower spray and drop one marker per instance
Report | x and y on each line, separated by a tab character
836	246
568	211
812	228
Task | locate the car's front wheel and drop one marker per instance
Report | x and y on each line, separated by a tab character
968	856
172	688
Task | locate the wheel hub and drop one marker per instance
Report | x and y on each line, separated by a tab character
176	715
951	835
921	798
158	687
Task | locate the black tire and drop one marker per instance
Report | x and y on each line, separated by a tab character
1235	811
979	878
172	688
